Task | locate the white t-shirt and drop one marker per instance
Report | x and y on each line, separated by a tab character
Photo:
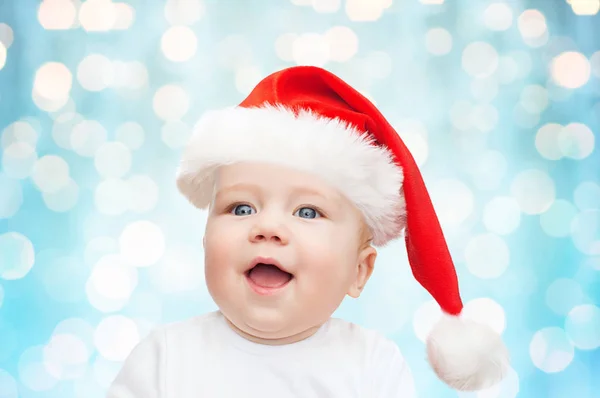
204	358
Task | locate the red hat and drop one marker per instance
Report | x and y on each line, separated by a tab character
307	118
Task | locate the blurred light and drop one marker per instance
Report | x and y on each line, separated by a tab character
585	230
532	24
52	276
480	59
488	169
64	199
105	371
432	2
246	78
8	385
557	220
425	318
143	193
525	119
129	75
487	312
416	143
595	64
6	35
112	197
284	46
484	90
180	270
502	215
585	7
50	173
460	114
453	200
175	134
438	41
184	12
576	141
11	196
570	69
587	196
125	15
343	43
19	131
18	256
170	102
142	243
66	357
534	98
366	10
311	49
534	191
524	63
77	327
95	72
115	337
57	14
326	6
99	247
546	141
508	70
582	325
301	2
32	372
551	350
2	56
52	85
98	15
131	134
112	159
484	117
563	294
112	279
18	160
63	128
498	16
487	256
179	43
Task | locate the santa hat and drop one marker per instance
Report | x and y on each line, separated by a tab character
309	119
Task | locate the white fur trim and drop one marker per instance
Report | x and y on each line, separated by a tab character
331	149
466	355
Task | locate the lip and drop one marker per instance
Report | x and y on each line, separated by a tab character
266	291
266	260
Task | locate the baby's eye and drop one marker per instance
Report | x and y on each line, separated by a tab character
307	212
242	210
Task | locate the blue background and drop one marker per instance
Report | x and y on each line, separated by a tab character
499	102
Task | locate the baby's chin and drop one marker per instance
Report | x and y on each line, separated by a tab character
273	329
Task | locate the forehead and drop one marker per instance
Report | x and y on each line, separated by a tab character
272	177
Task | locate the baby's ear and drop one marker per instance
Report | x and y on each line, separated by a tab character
364	269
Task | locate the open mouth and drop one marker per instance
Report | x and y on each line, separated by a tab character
267	277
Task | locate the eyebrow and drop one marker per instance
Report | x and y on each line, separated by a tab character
297	190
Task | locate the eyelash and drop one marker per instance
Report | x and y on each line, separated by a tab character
232	206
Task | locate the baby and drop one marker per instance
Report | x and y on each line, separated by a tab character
301	181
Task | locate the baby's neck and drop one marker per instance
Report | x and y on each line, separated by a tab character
275	341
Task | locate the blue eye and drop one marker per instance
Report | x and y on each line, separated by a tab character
307	212
242	210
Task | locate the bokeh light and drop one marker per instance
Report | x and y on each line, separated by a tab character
551	350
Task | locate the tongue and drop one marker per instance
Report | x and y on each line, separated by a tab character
269	276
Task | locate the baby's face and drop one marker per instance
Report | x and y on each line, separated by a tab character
307	234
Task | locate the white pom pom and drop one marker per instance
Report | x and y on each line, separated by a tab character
467	356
